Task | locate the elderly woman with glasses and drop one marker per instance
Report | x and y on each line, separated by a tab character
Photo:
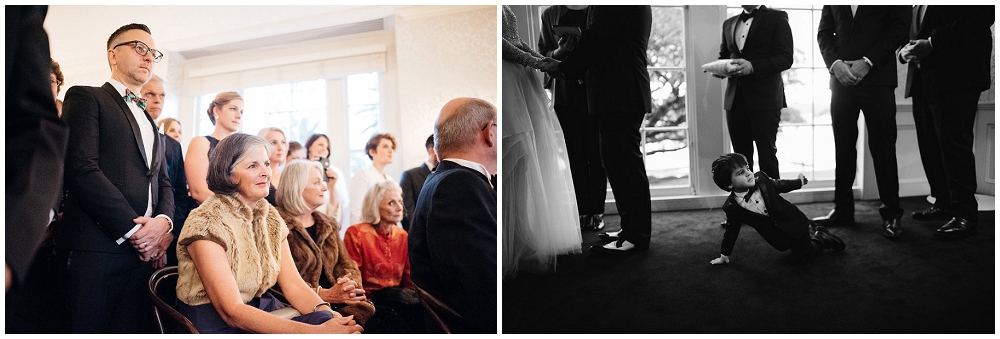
313	238
379	246
234	247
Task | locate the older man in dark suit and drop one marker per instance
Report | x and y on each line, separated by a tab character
119	199
760	43
611	59
857	43
413	179
453	237
949	66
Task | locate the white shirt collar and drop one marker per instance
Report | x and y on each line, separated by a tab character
119	86
755	9
473	165
429	166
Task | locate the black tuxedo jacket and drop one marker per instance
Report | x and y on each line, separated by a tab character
769	49
453	244
106	174
412	182
874	32
962	43
782	215
611	59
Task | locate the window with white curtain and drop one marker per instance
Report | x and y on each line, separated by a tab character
363	113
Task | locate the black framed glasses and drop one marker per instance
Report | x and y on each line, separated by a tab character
488	126
142	49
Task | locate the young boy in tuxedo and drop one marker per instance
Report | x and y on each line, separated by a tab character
755	201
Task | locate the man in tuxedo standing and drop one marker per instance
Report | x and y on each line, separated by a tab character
453	236
413	179
155	94
611	59
590	181
119	199
948	59
858	45
759	41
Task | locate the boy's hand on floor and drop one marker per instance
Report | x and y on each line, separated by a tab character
722	259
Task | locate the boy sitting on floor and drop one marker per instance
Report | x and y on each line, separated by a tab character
755	201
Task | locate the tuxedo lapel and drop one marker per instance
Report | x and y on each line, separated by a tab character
730	29
757	21
765	189
131	120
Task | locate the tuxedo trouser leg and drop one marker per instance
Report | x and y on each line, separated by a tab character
740	133
597	180
844	112
620	137
954	116
106	292
931	156
764	129
879	107
579	137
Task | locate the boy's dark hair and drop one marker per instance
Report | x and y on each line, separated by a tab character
430	142
723	167
126	28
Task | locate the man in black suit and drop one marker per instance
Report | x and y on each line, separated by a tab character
760	43
858	43
611	60
413	179
35	139
949	66
155	94
569	97
119	199
453	238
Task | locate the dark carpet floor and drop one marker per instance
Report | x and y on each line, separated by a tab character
918	284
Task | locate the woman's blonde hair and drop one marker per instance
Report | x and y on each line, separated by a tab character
369	208
294	179
165	122
221	100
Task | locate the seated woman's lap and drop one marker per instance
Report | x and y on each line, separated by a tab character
208	321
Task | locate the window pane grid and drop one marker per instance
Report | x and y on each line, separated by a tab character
664	143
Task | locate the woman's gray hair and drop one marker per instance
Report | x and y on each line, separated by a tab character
294	179
369	208
458	131
222	160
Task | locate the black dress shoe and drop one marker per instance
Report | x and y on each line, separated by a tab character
585	222
597	222
834	219
614	248
958	228
893	228
829	240
932	213
609	235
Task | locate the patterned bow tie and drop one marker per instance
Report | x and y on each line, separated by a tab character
130	96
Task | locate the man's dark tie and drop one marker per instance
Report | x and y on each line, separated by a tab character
746	198
493	181
129	95
746	16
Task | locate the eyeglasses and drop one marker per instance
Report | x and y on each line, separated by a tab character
487	126
142	49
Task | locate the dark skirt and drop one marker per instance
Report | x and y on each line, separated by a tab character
208	321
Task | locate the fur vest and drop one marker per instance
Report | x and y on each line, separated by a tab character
251	238
327	256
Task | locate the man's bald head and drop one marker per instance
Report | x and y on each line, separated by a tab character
460	124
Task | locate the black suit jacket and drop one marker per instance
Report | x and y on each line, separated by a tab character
874	32
611	59
35	137
412	182
783	215
962	43
453	244
769	49
106	174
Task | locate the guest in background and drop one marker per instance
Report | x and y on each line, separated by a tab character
379	247
453	237
170	127
235	248
279	145
319	254
858	43
942	40
295	152
413	180
225	113
379	149
154	93
57	82
318	149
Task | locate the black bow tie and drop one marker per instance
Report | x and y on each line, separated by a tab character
746	198
746	16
